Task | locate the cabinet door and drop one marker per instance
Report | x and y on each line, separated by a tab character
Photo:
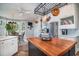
8	47
14	45
1	48
4	48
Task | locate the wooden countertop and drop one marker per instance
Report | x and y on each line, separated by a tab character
55	47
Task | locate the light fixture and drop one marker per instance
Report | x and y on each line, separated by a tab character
55	11
46	18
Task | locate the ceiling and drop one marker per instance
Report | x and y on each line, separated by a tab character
21	11
26	11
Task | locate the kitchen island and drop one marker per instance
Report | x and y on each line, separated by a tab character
8	45
53	47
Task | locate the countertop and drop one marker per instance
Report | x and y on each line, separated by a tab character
2	38
54	47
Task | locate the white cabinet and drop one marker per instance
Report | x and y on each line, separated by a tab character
9	46
2	48
69	16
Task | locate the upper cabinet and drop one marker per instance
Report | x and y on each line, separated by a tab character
69	16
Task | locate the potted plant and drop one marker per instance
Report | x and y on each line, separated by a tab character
11	27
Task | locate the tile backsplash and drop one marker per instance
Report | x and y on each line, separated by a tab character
71	32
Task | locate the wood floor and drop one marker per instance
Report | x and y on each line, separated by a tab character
23	50
77	54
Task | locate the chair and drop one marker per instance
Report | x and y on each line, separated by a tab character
21	38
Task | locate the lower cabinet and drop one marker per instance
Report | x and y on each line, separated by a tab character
8	47
34	51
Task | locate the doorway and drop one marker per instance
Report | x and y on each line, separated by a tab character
53	29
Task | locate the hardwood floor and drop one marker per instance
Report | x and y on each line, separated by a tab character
77	54
23	50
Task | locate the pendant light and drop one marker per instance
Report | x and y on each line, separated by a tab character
55	11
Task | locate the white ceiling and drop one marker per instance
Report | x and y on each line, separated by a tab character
21	11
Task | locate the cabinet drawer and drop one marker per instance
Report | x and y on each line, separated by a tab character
14	45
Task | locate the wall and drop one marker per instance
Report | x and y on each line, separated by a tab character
20	29
66	11
2	27
37	28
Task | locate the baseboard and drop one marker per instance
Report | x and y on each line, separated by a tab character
15	53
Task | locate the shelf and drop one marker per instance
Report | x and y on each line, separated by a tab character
67	21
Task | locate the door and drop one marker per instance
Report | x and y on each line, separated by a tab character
29	29
53	29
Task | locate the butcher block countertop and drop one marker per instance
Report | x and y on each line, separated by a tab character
54	47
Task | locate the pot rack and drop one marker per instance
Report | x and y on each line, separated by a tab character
45	8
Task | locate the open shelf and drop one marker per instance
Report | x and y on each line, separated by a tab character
67	21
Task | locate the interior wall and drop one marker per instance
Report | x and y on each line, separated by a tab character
22	27
37	28
2	27
65	11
